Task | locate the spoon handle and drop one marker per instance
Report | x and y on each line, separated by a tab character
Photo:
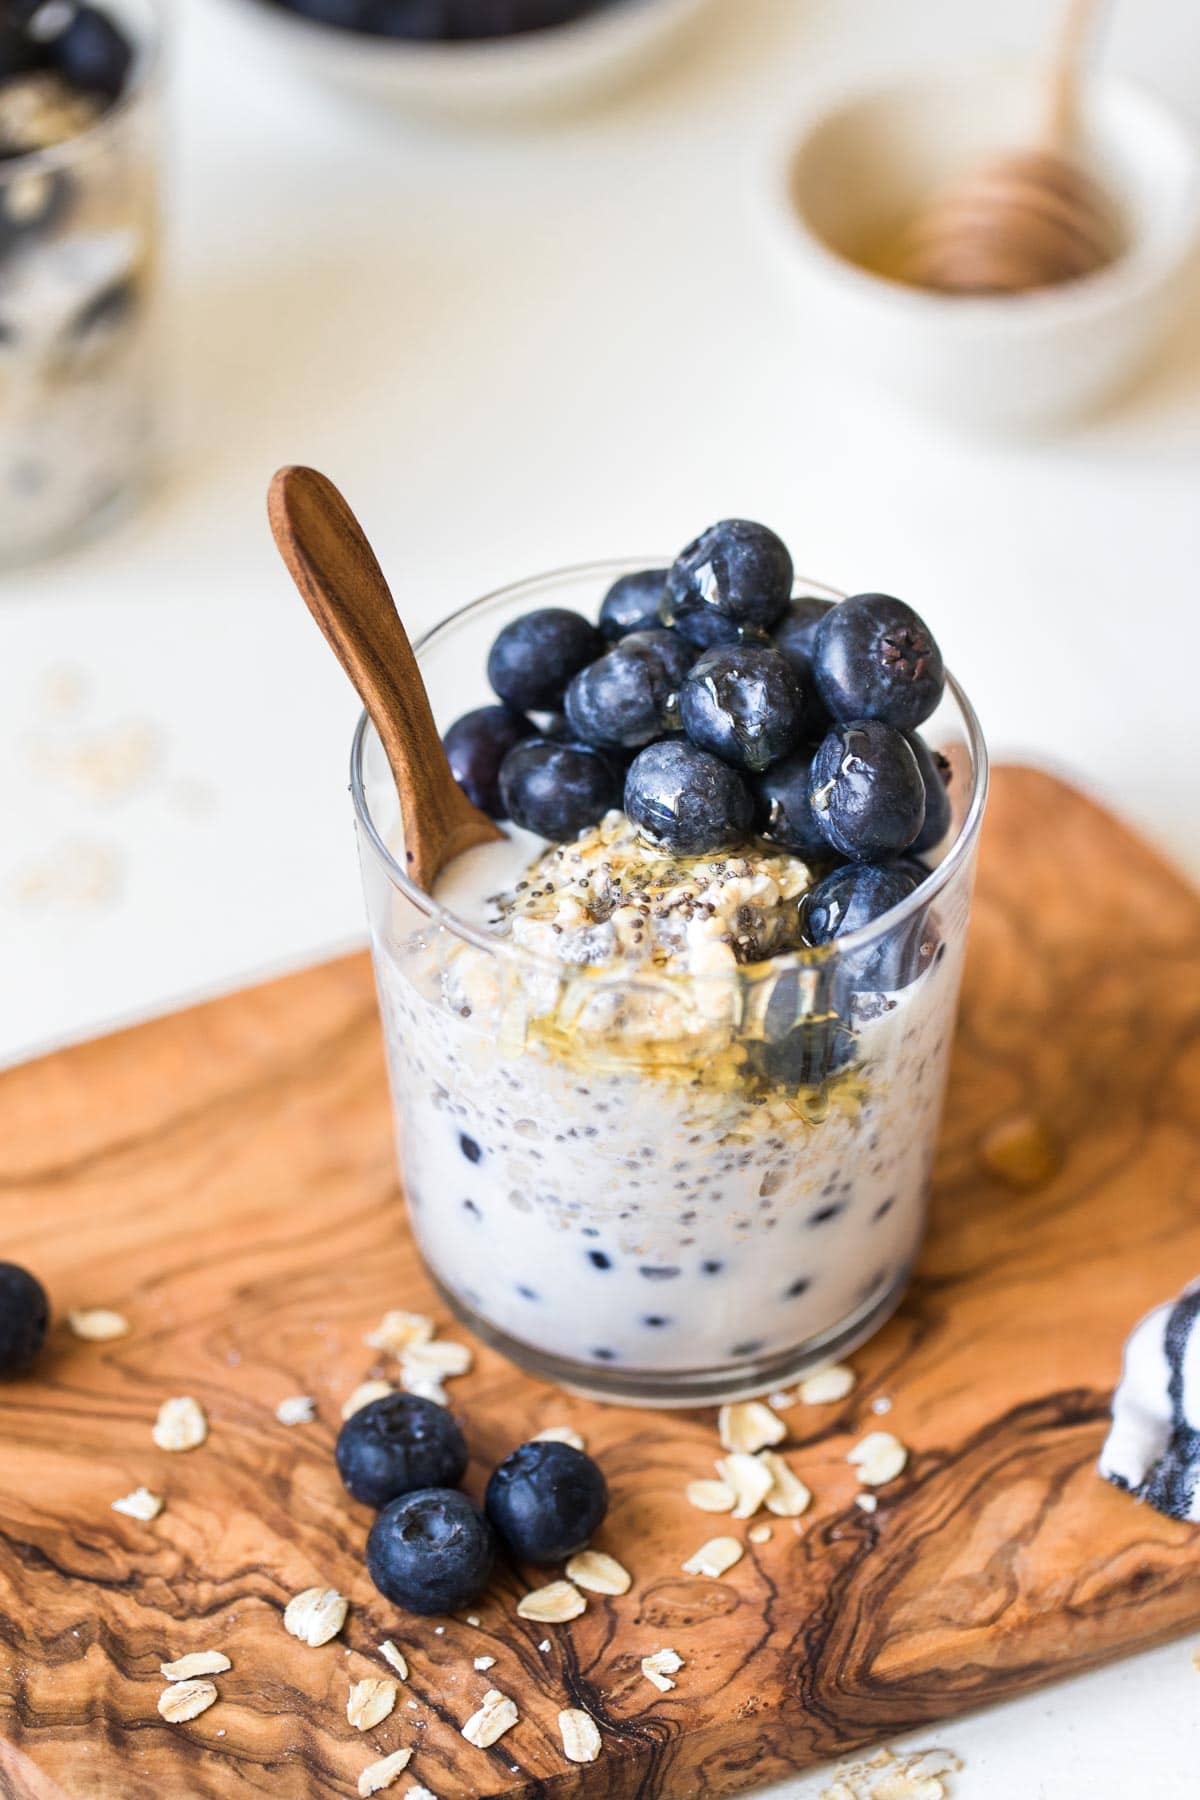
341	583
1063	86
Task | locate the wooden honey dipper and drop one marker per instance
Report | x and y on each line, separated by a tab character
1026	218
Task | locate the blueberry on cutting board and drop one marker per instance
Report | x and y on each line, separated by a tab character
398	1444
432	1551
24	1318
546	1501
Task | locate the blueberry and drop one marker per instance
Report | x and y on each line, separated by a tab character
935	773
632	603
853	897
744	704
800	1049
628	698
687	800
93	53
794	633
874	658
535	656
545	1501
785	815
398	1444
24	1317
867	793
734	575
431	1551
477	744
557	789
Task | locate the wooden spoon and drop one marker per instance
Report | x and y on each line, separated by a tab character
1026	219
342	585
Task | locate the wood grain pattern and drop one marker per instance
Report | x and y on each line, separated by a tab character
225	1177
341	583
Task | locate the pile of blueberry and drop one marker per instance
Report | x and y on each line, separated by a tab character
80	44
442	21
715	707
50	53
431	1549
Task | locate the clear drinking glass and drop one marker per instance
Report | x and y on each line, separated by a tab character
78	253
664	1190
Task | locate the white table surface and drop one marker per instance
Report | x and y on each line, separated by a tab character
518	349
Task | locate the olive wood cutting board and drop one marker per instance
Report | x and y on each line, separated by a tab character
225	1178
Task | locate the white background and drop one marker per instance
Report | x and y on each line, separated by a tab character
523	348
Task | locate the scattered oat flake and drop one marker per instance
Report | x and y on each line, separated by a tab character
553	1604
474	1619
297	1409
759	1534
824	1386
399	1331
598	1573
141	1504
1021	1151
867	1503
879	1457
581	1739
364	1393
97	1324
393	1655
497	1715
714	1558
370	1702
200	1662
425	1387
559	1434
485	1662
379	1775
185	1700
440	1358
418	1793
660	1667
750	1480
316	1615
180	1424
749	1425
788	1496
711	1496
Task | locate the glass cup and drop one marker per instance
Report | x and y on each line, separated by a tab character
673	1189
78	253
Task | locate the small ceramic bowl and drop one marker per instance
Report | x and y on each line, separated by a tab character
847	181
532	71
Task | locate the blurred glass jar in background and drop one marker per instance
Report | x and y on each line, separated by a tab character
79	156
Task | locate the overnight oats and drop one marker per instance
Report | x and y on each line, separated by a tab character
668	1059
78	169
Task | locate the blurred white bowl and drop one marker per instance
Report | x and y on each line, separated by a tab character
532	71
859	168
